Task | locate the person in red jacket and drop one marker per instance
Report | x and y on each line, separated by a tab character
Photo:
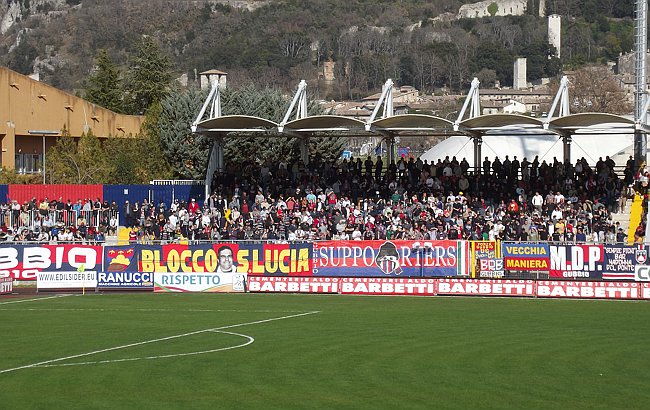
193	207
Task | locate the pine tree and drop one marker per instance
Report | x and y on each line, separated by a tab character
148	78
104	86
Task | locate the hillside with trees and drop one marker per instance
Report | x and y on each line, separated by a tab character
277	43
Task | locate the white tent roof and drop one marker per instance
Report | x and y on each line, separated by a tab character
589	146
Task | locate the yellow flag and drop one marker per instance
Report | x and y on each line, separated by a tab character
81	268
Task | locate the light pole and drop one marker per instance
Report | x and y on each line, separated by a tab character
43	133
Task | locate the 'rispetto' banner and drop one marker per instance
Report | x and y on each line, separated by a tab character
391	258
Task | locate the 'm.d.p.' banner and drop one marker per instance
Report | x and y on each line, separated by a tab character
391	258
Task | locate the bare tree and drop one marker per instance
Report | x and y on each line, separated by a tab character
595	89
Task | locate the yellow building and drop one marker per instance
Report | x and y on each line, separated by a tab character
33	114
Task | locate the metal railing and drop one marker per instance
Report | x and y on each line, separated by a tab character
38	219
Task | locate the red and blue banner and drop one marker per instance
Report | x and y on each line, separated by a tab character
576	261
397	258
25	262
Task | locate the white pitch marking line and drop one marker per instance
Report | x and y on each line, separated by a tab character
142	310
33	300
132	359
154	341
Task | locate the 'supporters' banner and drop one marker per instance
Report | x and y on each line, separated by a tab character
397	258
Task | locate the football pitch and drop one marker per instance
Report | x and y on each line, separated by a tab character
261	351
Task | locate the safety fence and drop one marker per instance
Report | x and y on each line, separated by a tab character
47	218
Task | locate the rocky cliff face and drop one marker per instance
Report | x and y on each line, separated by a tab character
14	11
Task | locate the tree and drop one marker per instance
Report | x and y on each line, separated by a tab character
77	162
187	152
148	78
103	85
594	89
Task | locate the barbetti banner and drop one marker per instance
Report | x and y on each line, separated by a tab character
576	261
589	290
391	258
6	285
621	261
486	287
249	259
25	262
388	286
526	256
645	290
292	284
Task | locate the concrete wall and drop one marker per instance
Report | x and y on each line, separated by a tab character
27	104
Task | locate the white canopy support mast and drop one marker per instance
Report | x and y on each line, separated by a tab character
473	98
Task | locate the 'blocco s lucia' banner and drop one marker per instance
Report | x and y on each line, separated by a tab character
391	258
250	259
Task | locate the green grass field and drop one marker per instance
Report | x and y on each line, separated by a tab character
354	353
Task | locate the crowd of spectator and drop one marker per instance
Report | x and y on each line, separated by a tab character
361	199
45	220
410	199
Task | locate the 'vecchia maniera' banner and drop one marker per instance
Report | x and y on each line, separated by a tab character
391	258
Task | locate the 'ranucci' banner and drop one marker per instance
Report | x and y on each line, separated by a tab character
391	258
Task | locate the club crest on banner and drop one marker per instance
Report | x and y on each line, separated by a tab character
387	259
119	259
641	256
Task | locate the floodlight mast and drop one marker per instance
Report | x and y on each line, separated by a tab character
640	50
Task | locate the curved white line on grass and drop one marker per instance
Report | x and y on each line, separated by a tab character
40	364
249	340
33	299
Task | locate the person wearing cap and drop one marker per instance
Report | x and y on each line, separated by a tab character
193	207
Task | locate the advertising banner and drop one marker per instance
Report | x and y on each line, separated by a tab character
293	284
199	282
645	290
620	261
388	286
125	280
248	259
66	280
24	262
526	256
391	258
642	273
486	287
576	261
491	268
484	249
588	290
6	285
